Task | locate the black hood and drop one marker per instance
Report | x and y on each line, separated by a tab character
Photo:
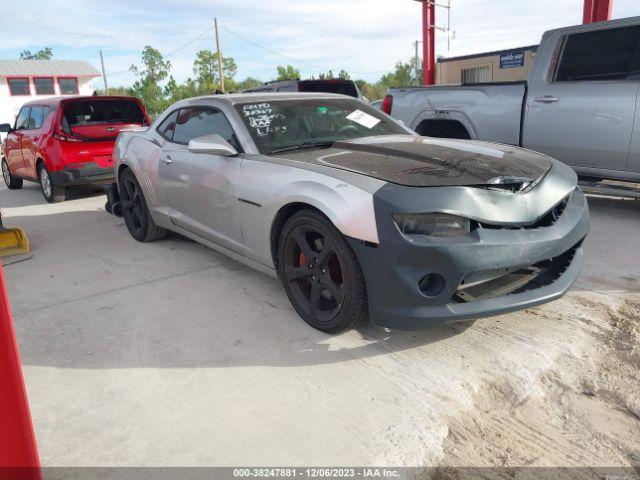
424	161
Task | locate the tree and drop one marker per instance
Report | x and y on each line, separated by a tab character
205	68
288	73
373	91
44	54
174	91
248	82
402	76
155	69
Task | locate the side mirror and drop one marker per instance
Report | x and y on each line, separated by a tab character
5	128
213	145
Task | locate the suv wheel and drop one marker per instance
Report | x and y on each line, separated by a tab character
52	193
13	183
321	274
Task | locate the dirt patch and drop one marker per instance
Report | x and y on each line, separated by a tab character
586	411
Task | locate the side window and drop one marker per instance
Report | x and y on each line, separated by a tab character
44	85
36	119
288	88
195	122
608	54
22	121
68	85
19	86
167	127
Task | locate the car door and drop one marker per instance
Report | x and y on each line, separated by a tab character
13	142
200	189
30	138
582	113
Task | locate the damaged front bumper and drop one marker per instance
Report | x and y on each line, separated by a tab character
420	282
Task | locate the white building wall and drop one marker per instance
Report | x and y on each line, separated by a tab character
10	104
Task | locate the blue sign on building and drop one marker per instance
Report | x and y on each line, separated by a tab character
512	60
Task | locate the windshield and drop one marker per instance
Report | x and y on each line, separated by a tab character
279	125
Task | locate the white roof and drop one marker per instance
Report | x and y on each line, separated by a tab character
10	68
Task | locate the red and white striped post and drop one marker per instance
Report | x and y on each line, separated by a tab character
18	452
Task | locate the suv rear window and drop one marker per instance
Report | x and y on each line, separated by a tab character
93	112
344	87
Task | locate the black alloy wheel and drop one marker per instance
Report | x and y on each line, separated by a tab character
321	274
136	214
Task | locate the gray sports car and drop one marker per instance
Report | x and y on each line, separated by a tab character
358	216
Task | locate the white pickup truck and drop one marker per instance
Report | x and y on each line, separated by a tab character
579	104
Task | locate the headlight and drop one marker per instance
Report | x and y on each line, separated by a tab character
433	224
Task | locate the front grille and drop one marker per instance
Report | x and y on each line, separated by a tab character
490	284
547	220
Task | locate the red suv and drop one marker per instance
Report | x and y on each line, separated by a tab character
60	142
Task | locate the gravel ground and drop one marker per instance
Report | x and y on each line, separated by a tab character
168	354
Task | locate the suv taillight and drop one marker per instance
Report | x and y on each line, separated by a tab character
387	103
65	138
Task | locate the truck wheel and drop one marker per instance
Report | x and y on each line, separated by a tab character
136	214
320	273
52	193
13	183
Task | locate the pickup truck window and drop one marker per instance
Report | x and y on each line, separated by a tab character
609	54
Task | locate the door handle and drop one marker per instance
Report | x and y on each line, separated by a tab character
166	159
546	99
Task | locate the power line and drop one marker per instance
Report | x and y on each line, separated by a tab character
296	60
169	55
189	43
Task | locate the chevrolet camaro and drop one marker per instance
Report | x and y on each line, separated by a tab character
359	217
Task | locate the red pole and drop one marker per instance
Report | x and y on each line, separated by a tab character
428	42
597	11
18	451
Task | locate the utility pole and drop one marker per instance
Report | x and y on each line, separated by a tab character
104	75
416	62
220	71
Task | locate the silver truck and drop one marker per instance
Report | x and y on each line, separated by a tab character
578	105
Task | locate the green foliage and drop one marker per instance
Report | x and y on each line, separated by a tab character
158	89
248	82
373	91
44	54
205	68
402	76
287	72
155	69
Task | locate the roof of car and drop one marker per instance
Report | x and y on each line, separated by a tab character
234	98
57	100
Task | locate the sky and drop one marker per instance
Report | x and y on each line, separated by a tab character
363	37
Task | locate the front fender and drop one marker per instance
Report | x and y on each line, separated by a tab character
349	208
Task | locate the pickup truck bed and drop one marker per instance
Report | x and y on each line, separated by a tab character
487	111
579	105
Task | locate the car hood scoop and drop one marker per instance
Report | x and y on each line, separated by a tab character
424	161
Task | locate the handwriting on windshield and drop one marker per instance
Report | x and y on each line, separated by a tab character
261	118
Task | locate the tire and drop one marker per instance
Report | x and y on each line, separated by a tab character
136	214
51	192
321	274
12	183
